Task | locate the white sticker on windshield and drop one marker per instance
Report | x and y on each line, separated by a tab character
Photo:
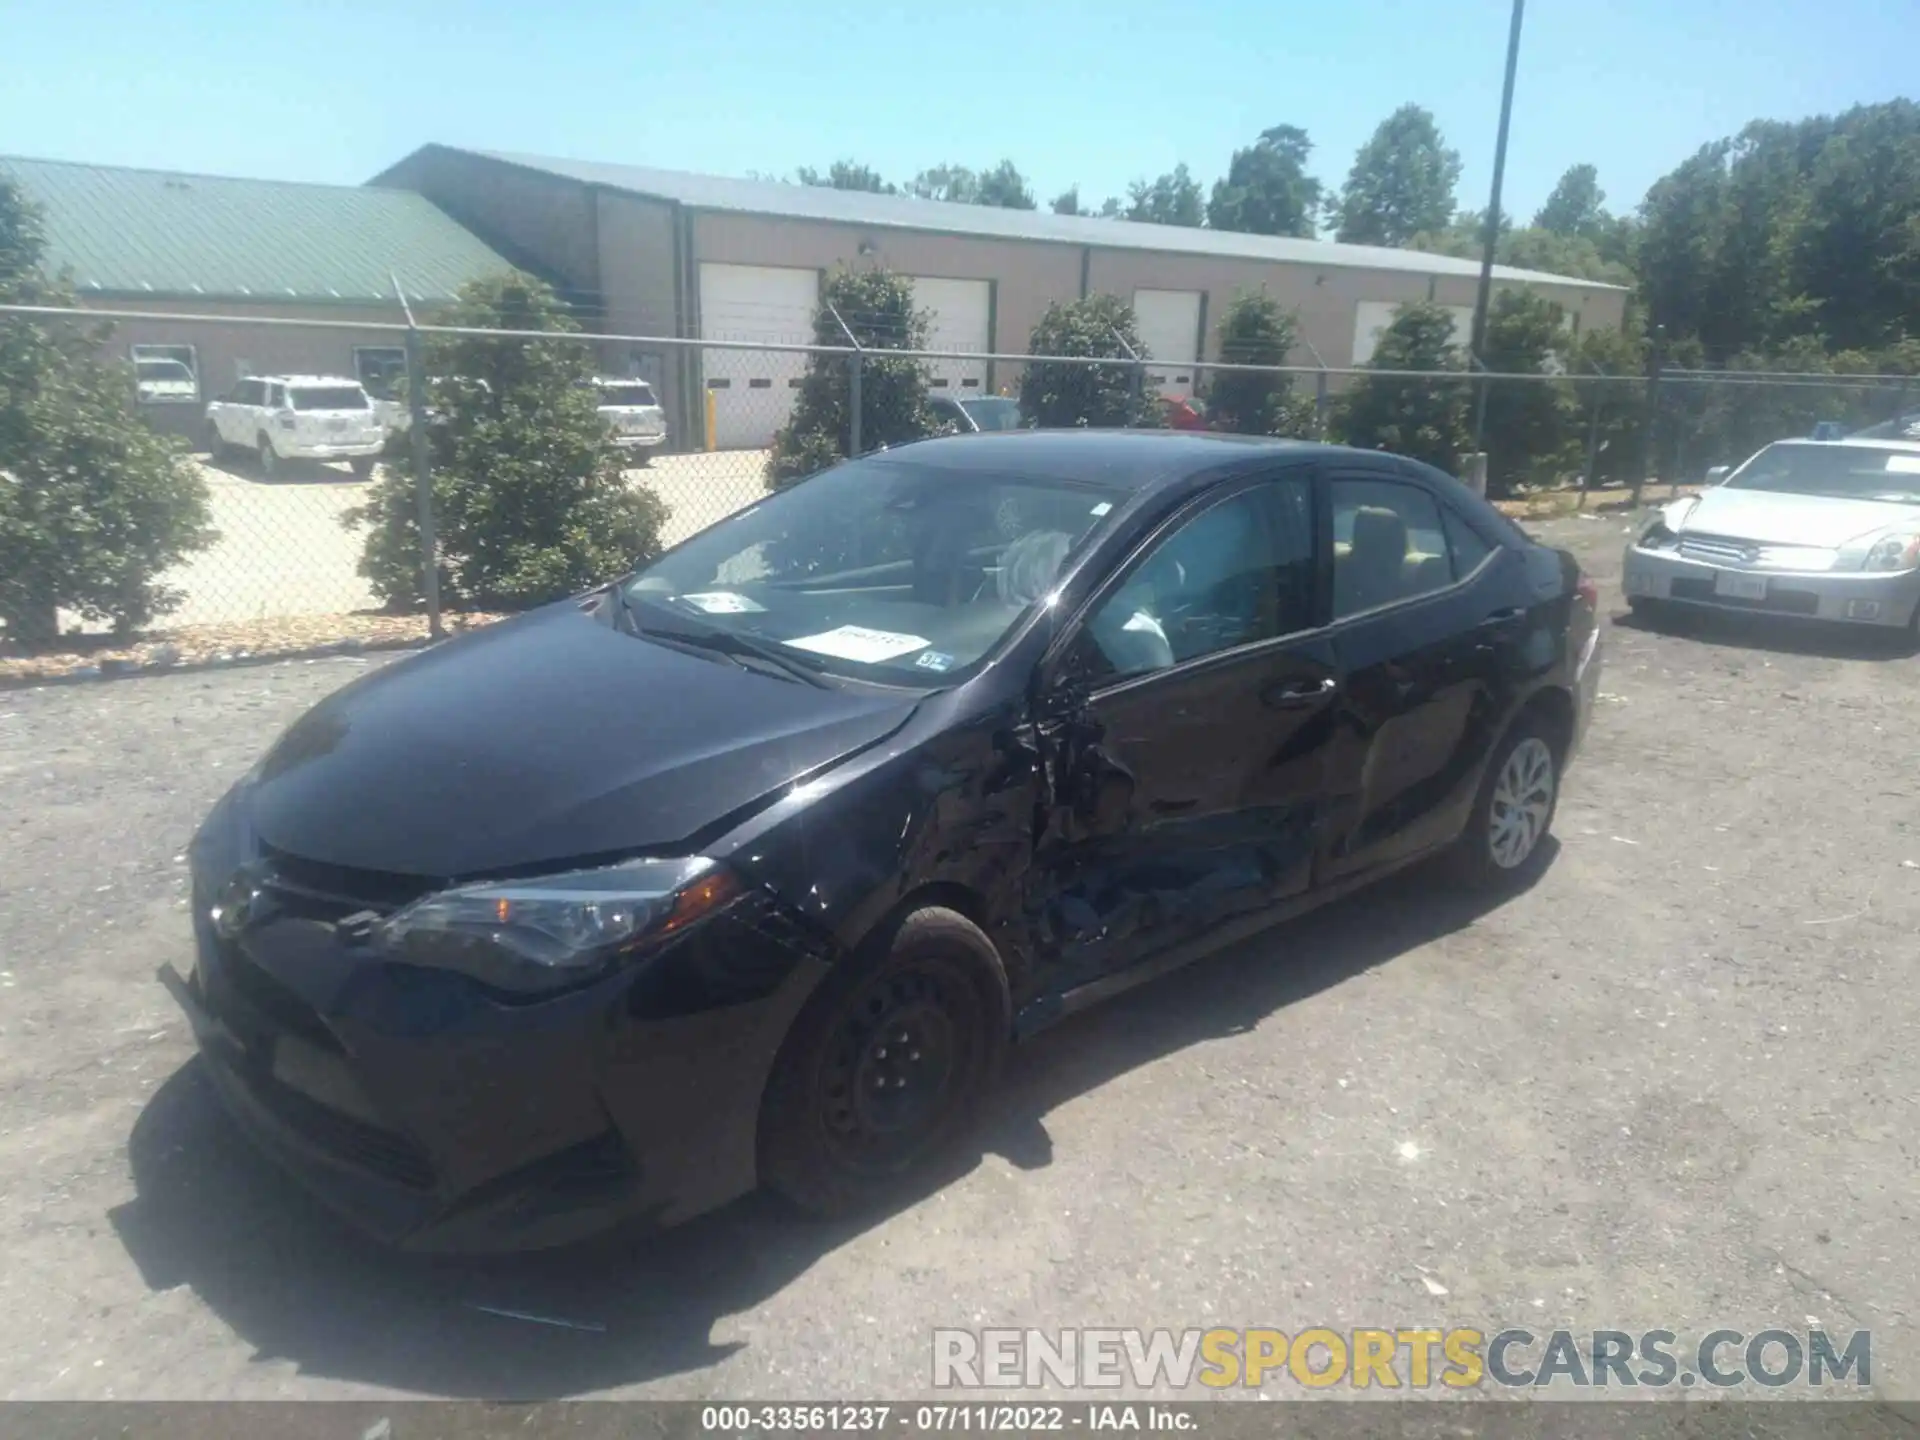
1102	508
722	602
1903	464
856	642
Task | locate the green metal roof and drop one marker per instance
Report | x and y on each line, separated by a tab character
129	232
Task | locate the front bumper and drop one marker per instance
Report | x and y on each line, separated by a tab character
436	1117
1849	596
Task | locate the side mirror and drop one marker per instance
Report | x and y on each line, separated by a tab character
1718	473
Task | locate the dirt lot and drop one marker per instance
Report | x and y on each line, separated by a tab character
1673	1086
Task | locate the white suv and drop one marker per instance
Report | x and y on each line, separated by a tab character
306	417
633	412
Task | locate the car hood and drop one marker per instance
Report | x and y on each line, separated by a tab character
1775	519
545	739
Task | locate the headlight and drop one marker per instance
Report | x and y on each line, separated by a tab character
532	937
1893	552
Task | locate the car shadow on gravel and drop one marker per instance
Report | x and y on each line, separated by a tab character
1777	634
240	465
296	1285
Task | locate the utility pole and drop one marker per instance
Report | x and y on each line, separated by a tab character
1492	234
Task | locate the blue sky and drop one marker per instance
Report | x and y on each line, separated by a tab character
1093	91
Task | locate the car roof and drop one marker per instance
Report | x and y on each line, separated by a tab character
1860	442
1121	459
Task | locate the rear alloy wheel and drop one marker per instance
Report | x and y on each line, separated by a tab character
1503	844
268	457
885	1069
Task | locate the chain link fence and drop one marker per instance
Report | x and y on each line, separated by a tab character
696	421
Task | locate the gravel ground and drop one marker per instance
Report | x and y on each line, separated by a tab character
1672	1086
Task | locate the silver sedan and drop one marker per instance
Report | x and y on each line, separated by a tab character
1827	529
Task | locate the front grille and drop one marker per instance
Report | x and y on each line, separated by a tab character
321	891
1718	550
1778	600
383	1152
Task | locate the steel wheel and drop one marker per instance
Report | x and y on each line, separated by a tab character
893	1064
1522	803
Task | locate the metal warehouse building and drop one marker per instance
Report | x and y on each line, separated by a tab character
160	241
658	252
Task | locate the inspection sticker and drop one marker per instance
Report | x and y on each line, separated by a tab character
722	602
937	660
858	643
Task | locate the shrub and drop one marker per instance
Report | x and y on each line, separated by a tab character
530	500
1423	418
1256	331
878	307
1098	396
94	506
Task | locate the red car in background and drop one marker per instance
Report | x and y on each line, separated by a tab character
1183	413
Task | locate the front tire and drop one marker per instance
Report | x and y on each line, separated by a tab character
884	1071
1504	844
268	457
216	446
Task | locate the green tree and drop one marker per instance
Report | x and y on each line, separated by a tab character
1576	206
848	175
1256	331
530	500
1267	190
1067	202
94	506
1423	417
1171	199
878	308
1004	186
1529	423
1401	183
1097	396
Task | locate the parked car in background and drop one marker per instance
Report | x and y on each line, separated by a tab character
632	411
161	381
976	413
1827	529
297	417
750	868
1900	427
1183	412
1829	430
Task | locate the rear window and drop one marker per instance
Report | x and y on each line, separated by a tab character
627	396
164	370
331	397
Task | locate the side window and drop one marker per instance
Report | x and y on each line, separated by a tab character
1238	572
1469	547
1388	545
247	392
276	397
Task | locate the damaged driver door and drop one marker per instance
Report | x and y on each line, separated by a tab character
1184	727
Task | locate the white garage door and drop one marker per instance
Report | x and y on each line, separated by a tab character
753	390
1370	317
1169	325
962	319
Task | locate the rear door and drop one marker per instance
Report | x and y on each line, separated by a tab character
1186	733
1426	610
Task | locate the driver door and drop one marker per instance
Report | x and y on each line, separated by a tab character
1185	733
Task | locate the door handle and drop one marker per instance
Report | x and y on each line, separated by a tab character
1500	619
1293	694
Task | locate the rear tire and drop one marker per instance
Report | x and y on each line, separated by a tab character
1504	844
362	467
884	1071
268	458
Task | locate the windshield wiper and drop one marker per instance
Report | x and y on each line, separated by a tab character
736	647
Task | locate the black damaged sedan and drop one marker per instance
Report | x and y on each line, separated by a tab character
748	868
